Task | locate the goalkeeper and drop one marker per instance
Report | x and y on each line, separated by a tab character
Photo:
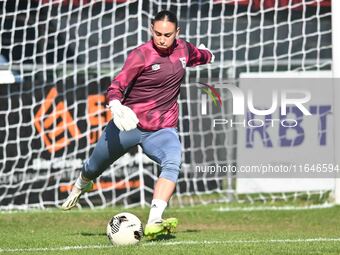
143	102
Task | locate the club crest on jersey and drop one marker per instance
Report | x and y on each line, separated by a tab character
155	67
183	61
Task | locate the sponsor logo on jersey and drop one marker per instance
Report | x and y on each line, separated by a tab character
155	67
183	61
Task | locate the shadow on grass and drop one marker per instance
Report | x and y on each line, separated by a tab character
189	231
161	238
91	234
169	237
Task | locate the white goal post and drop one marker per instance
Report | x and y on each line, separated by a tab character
60	56
336	76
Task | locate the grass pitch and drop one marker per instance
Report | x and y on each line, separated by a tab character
201	230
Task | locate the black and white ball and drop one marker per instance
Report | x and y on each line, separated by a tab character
124	229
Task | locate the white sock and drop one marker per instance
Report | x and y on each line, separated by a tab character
81	183
157	208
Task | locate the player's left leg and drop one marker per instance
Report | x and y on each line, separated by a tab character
164	147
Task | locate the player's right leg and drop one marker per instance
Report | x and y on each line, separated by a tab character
112	144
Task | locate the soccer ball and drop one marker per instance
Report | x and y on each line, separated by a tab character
124	229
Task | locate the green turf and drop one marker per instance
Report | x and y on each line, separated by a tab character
201	230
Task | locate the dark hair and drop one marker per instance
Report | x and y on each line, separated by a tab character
166	15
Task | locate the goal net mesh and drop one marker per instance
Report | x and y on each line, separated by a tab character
63	55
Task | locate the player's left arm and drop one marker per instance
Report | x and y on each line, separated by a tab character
199	55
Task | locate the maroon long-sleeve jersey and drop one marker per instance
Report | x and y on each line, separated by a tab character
150	81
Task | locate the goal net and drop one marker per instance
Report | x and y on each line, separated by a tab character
60	56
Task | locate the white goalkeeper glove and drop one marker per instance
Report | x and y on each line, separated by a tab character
202	47
124	118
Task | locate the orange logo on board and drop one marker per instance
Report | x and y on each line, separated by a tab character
57	126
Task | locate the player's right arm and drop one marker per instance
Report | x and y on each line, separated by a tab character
124	118
132	68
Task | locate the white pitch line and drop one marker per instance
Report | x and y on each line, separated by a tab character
309	240
169	243
65	248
